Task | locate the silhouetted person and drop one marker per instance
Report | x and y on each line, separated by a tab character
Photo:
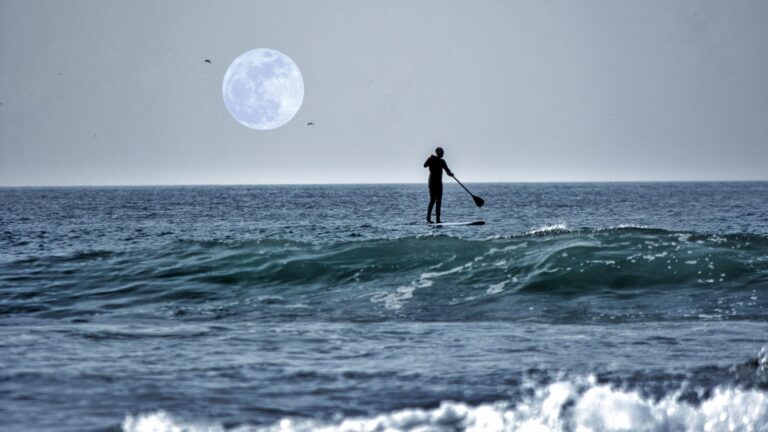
436	165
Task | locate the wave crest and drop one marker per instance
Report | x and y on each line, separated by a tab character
560	406
572	275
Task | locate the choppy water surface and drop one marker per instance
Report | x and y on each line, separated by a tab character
578	307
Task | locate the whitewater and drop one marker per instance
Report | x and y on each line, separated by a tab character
577	307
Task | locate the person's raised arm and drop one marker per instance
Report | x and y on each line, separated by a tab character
426	164
445	166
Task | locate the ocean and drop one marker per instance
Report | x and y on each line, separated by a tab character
577	307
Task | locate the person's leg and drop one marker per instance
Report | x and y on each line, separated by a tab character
431	203
438	202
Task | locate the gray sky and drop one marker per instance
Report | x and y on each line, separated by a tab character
117	92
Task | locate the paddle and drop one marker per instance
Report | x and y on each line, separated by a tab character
478	201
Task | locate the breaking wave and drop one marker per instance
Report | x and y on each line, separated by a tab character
565	405
658	274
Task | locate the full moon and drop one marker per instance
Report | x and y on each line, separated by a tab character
263	89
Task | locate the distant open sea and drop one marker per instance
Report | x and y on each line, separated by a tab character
577	307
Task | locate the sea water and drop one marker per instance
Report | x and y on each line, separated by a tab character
577	307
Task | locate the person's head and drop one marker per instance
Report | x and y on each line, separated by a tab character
439	152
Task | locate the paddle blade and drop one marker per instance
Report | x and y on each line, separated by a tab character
478	201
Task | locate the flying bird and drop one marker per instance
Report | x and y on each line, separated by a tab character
208	61
310	124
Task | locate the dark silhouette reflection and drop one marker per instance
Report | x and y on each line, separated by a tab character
436	165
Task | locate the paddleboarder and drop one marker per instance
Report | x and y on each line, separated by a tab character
436	165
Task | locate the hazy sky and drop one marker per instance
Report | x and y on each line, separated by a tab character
117	92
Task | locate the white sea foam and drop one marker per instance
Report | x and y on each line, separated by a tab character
430	275
561	406
394	300
497	287
559	227
629	226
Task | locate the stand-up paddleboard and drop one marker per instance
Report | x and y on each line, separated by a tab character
458	223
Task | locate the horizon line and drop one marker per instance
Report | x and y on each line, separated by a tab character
370	183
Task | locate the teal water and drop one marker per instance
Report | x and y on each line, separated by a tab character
576	307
